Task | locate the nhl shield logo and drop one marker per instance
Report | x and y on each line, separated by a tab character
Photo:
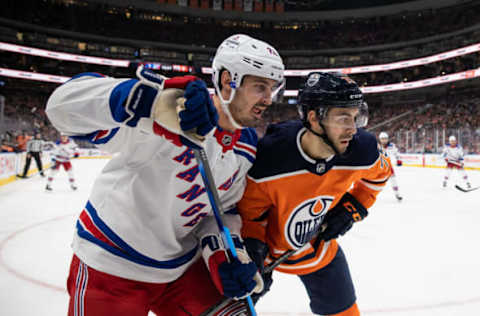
227	140
320	168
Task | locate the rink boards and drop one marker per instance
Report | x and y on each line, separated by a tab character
472	162
12	164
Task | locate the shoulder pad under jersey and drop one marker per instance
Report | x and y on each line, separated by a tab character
363	150
277	151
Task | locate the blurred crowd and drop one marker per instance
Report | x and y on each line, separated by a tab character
414	127
426	127
24	114
129	22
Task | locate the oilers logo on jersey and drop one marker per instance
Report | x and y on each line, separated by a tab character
305	220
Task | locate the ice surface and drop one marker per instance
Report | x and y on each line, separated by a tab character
419	257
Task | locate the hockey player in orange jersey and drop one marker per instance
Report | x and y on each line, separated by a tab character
312	180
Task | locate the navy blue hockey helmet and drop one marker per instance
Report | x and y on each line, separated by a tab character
322	91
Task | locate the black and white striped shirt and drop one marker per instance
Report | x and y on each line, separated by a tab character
34	145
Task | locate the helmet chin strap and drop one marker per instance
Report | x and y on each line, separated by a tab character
324	137
225	103
229	114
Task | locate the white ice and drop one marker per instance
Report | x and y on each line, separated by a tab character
419	257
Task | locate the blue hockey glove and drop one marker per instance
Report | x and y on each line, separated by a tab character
179	106
258	251
143	94
340	219
199	112
236	278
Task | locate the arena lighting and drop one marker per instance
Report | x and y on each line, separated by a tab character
63	56
288	73
382	67
464	75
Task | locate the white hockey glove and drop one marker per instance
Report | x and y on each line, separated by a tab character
179	105
236	278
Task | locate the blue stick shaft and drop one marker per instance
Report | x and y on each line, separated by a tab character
211	189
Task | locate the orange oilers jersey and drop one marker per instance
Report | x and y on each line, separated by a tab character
288	193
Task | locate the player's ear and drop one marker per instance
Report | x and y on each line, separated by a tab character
313	120
225	79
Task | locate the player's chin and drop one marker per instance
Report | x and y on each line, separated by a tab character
342	146
251	121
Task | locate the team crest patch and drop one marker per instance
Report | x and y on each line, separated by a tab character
306	219
313	79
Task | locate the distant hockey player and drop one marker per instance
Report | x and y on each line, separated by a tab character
453	155
148	221
312	180
63	150
391	151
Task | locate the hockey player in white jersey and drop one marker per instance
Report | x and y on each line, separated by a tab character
62	151
391	151
453	155
148	221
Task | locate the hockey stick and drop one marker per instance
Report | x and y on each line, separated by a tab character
465	190
269	268
210	187
227	300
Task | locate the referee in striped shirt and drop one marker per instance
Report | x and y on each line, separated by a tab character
34	149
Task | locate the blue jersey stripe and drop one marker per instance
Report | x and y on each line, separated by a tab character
91	137
126	251
249	136
85	74
118	98
249	157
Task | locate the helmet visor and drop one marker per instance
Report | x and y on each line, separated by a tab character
260	88
344	120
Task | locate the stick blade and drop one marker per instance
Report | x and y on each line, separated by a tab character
465	190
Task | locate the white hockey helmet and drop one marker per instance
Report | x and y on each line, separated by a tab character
452	139
383	135
243	55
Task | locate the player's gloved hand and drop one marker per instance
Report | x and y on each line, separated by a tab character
258	251
341	218
75	155
237	278
199	113
179	105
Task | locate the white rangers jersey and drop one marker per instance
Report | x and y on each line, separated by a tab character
390	150
63	151
453	154
148	207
